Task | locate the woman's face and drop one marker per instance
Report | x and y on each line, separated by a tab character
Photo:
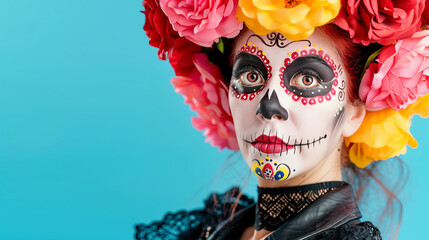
287	100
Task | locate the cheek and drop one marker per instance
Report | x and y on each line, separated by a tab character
243	108
310	119
307	117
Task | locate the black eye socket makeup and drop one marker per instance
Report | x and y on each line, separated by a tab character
249	73
309	69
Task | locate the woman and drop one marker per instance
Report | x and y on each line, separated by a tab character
294	94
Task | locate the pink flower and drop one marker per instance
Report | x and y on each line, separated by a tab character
382	21
206	93
400	76
158	29
203	22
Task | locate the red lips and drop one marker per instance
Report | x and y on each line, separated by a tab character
270	144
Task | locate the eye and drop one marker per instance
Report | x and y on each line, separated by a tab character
249	73
304	81
309	76
251	78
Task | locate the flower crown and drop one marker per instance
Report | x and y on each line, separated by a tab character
394	85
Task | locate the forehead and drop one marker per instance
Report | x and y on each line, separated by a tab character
276	45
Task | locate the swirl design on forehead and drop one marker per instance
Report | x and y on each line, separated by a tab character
276	39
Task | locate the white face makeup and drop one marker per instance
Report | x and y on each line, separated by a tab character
288	102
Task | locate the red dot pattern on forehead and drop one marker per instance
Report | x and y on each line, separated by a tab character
252	49
312	100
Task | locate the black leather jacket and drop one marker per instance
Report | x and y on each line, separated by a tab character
335	215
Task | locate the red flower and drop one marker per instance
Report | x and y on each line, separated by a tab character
181	56
158	28
382	21
425	16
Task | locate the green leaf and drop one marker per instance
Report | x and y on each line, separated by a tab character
369	61
219	45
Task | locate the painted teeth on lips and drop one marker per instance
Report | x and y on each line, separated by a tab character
270	144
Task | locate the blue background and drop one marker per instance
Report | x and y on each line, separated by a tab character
93	138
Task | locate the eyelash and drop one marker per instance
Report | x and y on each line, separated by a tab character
311	72
248	68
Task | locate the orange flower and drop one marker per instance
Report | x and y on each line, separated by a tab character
294	19
385	133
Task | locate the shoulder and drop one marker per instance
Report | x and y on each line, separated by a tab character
349	231
197	223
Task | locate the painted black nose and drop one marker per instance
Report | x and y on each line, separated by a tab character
270	107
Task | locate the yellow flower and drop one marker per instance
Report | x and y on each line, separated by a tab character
385	133
294	19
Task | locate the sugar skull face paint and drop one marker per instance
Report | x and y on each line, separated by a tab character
294	117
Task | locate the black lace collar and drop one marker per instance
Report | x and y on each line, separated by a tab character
276	205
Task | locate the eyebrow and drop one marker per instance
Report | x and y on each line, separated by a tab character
244	59
312	57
